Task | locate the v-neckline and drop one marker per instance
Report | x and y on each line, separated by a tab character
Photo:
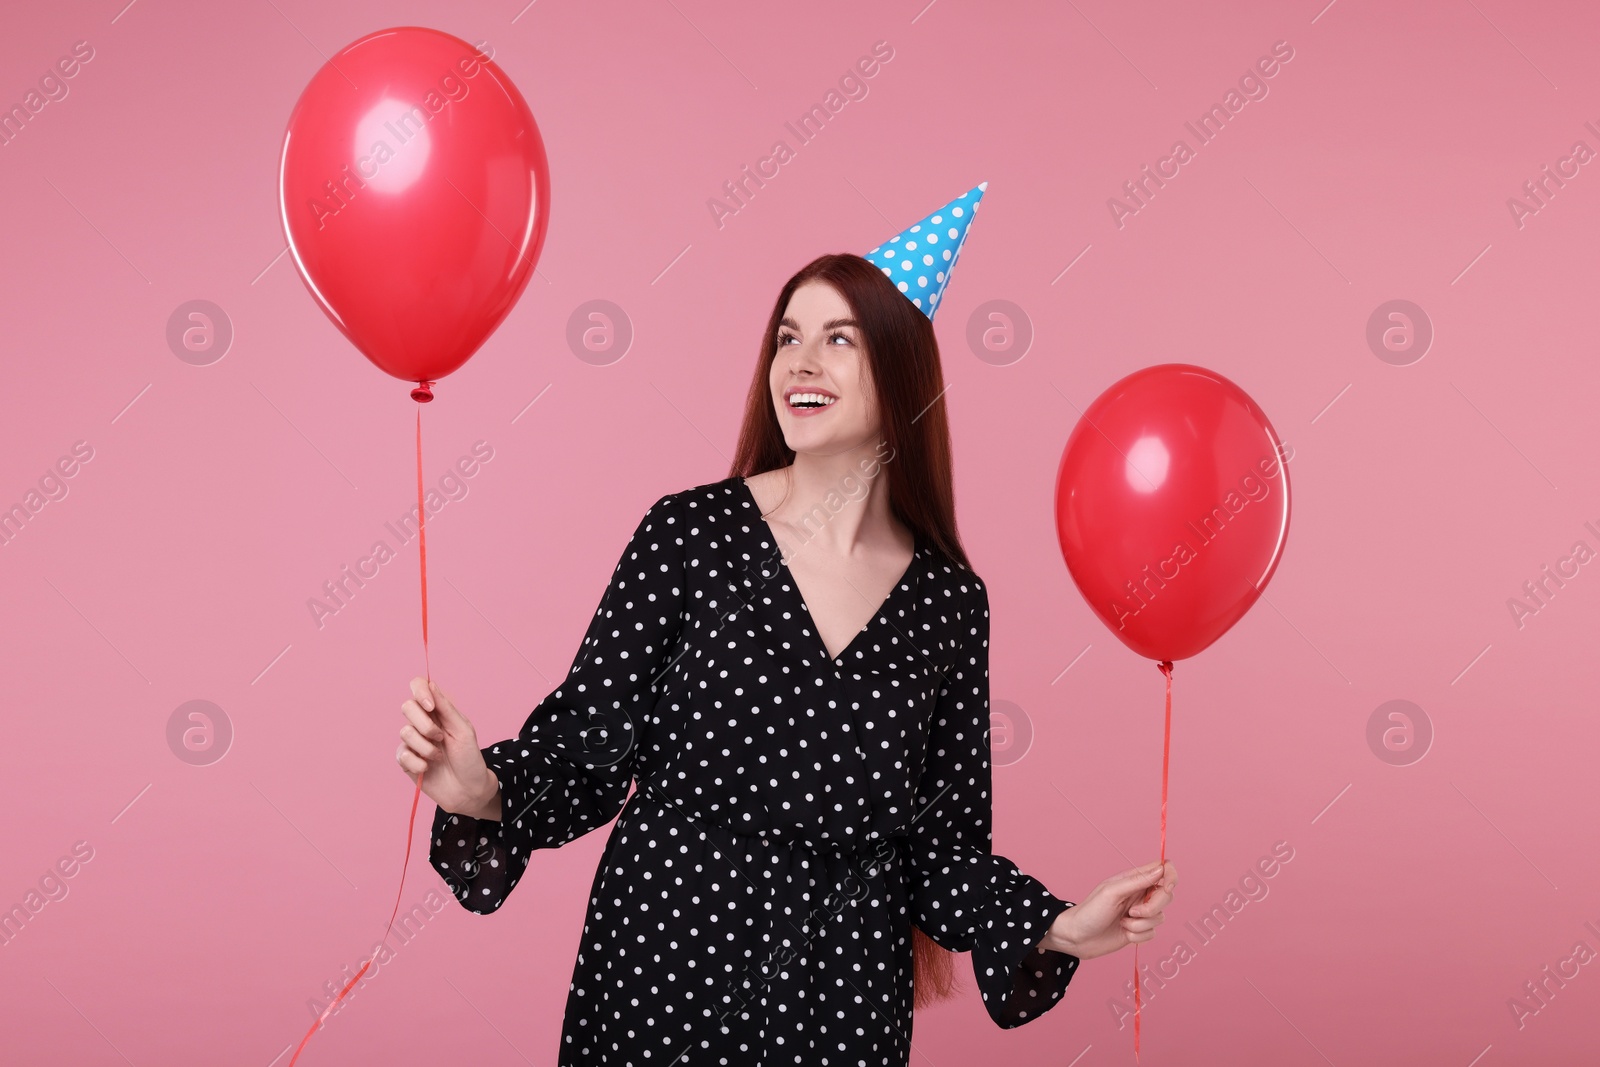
805	606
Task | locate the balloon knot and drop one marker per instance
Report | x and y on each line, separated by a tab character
423	392
1165	667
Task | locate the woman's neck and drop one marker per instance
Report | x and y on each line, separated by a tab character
838	504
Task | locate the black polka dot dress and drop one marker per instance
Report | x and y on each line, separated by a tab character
795	813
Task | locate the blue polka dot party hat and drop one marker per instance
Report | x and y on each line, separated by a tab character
919	259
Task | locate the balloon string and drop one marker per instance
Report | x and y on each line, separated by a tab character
1166	753
416	794
422	549
1166	756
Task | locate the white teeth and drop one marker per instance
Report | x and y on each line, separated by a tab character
811	398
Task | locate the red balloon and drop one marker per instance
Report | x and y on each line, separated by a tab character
1172	507
415	195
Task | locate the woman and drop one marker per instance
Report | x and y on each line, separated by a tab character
793	664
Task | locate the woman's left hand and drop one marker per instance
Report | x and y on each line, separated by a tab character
1122	910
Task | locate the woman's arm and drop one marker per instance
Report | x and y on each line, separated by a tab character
964	896
488	809
569	768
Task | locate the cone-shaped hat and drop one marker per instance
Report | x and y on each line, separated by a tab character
919	259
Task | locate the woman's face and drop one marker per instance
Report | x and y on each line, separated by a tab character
820	382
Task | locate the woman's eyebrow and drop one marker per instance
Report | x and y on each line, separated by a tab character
830	324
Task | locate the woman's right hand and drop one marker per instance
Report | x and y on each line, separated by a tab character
1123	910
438	739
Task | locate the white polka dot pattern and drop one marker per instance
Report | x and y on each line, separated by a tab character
797	812
919	258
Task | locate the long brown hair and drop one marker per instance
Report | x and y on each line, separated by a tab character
903	362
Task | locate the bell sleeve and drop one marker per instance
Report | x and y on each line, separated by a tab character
569	768
962	895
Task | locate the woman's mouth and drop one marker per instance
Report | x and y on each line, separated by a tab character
803	404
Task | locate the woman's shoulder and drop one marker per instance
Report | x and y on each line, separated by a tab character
708	499
725	491
955	578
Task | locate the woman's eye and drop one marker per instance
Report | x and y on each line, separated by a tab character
785	338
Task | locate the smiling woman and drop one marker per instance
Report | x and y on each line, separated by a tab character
805	708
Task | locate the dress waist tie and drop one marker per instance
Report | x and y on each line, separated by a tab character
880	849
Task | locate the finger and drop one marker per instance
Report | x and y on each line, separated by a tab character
1138	926
1146	911
410	762
417	743
1157	902
421	693
452	718
1139	939
1169	877
422	721
1134	879
1144	874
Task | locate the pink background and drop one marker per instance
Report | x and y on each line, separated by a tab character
220	898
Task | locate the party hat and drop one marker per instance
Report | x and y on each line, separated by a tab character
919	260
